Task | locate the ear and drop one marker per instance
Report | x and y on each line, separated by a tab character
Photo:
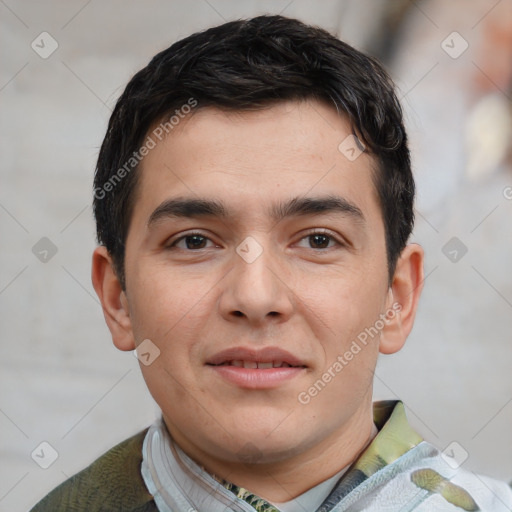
113	299
402	301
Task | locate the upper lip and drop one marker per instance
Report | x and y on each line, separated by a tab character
263	355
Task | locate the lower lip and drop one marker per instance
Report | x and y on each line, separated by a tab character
255	378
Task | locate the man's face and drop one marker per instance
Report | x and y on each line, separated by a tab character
266	280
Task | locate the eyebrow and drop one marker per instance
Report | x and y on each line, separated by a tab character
297	206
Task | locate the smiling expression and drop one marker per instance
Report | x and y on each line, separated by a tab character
255	256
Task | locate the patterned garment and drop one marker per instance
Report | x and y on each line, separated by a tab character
259	504
394	439
398	472
417	485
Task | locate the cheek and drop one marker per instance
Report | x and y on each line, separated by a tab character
173	322
167	303
341	305
344	318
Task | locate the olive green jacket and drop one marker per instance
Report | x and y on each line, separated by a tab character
397	471
86	491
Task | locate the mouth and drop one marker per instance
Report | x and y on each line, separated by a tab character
266	368
260	365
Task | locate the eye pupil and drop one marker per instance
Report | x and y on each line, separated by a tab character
195	241
319	240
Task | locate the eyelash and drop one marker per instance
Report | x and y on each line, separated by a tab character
322	232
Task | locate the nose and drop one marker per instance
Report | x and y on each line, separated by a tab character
256	291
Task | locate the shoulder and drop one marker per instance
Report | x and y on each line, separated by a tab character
489	493
111	483
425	477
447	482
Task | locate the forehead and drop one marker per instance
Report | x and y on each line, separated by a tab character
255	160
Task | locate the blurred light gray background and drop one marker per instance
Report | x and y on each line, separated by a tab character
63	65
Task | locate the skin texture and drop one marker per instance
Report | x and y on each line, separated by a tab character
309	296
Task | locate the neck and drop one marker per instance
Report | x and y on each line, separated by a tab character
284	480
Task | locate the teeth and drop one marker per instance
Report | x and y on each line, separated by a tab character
260	365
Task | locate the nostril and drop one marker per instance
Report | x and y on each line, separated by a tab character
238	313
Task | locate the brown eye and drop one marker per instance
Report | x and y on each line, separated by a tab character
319	241
192	241
195	242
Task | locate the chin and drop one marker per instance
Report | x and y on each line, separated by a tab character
264	441
262	451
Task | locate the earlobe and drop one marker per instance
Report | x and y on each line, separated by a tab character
113	299
403	297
